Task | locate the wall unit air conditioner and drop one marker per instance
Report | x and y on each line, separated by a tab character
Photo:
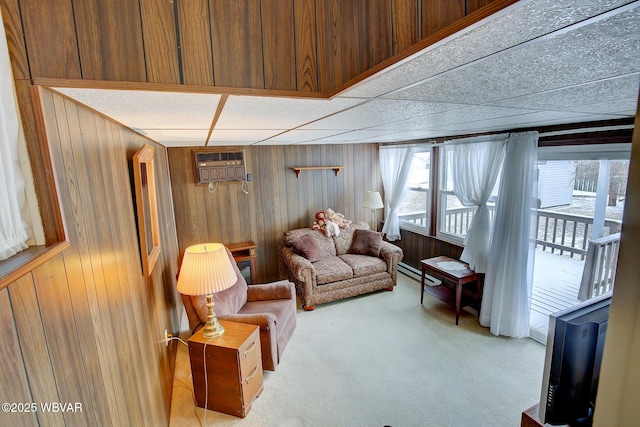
213	165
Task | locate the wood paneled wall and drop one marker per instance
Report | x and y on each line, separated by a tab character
87	326
417	247
292	45
277	200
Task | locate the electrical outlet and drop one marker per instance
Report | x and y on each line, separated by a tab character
167	337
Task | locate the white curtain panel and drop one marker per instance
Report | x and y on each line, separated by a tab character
395	168
476	164
13	230
506	301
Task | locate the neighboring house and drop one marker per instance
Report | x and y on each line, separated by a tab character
555	183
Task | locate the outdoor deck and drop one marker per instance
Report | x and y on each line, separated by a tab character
556	281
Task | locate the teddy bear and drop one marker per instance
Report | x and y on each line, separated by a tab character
338	218
328	227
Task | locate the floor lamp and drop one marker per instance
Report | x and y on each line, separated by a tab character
373	201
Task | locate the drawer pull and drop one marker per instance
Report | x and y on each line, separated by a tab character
252	374
251	347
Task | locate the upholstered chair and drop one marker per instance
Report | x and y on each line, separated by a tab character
270	306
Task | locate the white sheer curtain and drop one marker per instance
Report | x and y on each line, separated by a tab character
476	164
13	229
395	167
506	298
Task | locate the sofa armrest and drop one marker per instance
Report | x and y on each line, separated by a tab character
282	289
392	255
266	321
299	268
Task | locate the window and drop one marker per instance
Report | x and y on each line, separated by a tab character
454	218
415	209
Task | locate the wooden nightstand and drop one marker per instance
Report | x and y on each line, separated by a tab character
245	253
233	364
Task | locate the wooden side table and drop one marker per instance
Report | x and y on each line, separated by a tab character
245	252
233	366
454	271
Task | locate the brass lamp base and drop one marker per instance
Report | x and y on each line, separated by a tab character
213	328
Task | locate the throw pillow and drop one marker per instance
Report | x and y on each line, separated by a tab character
307	247
366	242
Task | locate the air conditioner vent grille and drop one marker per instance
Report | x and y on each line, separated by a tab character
219	166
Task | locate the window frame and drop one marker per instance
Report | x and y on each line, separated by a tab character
428	229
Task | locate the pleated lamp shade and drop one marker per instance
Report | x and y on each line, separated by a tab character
206	269
372	200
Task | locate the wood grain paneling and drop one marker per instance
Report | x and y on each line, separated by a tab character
417	247
15	38
375	35
110	40
327	45
306	46
349	41
159	37
195	42
279	43
473	5
12	372
405	24
437	15
277	200
87	322
236	37
47	24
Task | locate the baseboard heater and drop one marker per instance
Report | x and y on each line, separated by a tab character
414	273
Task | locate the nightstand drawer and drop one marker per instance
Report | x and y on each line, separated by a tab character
233	366
250	354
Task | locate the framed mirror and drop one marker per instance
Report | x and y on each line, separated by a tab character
146	207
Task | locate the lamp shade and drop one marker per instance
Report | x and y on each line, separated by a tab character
372	200
206	269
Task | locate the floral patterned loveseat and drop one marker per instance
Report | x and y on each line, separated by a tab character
340	266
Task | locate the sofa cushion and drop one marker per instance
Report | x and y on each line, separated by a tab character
366	242
308	247
363	265
343	241
331	269
325	242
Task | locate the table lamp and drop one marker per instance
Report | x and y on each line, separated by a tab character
206	269
373	201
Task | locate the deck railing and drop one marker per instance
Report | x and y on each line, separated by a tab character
568	234
599	267
558	233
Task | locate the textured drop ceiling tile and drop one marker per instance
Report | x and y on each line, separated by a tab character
577	97
512	122
181	137
253	112
352	136
621	107
378	112
610	47
510	27
296	136
241	136
150	110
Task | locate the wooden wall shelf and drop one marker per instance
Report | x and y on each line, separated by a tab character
299	169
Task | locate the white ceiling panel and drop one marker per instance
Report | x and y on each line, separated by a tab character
297	136
252	112
181	137
378	112
150	110
241	136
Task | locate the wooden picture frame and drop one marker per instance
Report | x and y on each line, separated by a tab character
146	207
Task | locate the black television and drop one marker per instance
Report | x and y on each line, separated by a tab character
575	343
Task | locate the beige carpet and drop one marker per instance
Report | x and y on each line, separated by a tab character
383	359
